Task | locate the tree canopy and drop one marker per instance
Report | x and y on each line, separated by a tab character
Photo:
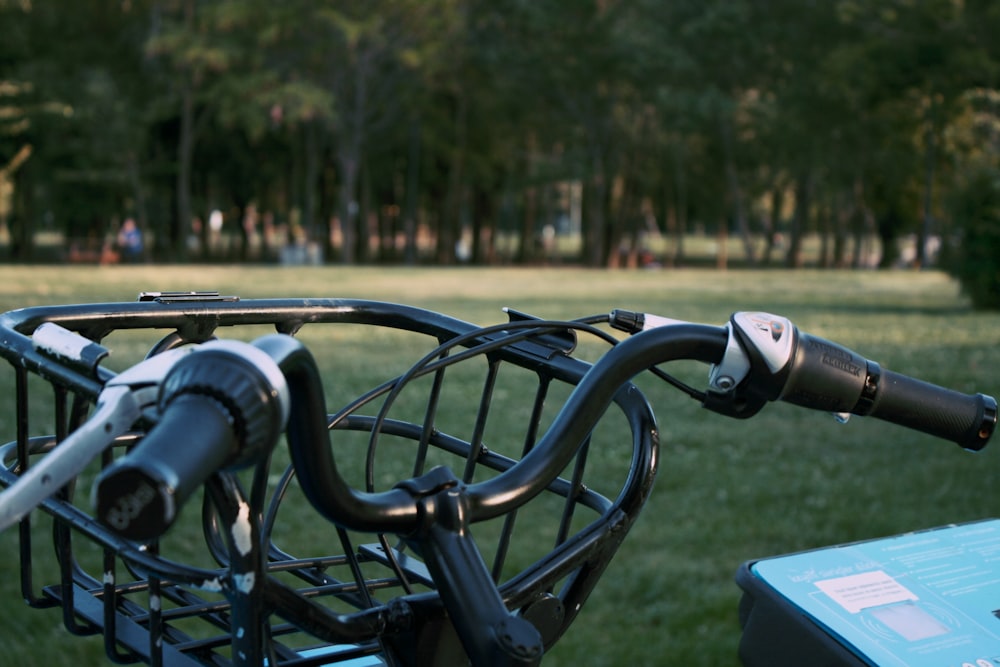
475	130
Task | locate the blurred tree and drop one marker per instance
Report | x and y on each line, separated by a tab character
15	123
345	71
468	118
81	112
976	207
199	56
575	62
972	250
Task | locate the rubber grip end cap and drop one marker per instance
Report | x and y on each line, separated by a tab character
134	504
987	425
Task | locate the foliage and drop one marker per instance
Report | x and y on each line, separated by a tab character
356	124
973	248
976	256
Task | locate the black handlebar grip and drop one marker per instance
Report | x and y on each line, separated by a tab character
140	495
823	375
221	407
967	419
826	376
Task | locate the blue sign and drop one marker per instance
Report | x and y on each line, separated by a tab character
926	599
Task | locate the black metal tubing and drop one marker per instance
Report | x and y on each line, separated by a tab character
584	407
391	512
198	321
577	561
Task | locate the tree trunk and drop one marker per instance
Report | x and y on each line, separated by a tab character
242	250
736	192
348	205
722	247
773	222
21	236
451	220
930	147
185	151
615	233
527	251
350	155
624	233
327	208
483	228
527	240
844	223
680	205
22	229
888	224
311	151
800	220
412	191
185	156
595	215
827	215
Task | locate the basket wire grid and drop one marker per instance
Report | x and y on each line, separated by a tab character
477	402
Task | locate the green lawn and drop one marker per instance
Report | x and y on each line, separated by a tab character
727	491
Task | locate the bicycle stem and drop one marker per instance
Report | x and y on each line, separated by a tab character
490	634
431	511
315	466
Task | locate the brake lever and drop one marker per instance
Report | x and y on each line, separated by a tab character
124	399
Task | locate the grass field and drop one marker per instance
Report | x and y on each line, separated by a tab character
727	491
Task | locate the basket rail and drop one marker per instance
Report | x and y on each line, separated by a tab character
363	598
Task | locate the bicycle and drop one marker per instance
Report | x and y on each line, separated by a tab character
407	583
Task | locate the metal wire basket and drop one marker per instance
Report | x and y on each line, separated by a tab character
476	401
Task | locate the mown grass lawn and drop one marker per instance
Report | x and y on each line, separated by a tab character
727	491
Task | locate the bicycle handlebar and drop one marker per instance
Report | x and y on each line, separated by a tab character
788	365
815	374
244	393
585	405
395	511
222	407
827	376
767	358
